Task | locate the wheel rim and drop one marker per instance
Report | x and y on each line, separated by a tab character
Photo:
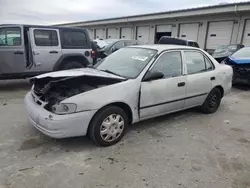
112	127
213	101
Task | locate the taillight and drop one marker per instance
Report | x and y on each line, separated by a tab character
93	52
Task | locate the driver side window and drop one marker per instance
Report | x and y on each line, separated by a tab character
170	64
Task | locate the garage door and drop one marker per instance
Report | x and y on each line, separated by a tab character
91	33
100	34
126	33
246	37
113	33
143	34
219	33
163	28
189	31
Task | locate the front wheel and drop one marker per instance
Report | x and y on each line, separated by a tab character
108	126
212	101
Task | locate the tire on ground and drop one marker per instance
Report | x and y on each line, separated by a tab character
213	97
95	126
71	65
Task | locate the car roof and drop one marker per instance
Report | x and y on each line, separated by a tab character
43	26
162	47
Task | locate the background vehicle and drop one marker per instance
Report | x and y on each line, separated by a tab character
132	84
224	51
29	50
240	62
176	41
108	46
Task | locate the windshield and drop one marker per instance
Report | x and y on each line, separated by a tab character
226	48
221	48
103	43
242	53
127	62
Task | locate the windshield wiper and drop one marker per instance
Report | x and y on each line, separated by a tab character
108	71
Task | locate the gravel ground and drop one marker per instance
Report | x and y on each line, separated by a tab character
181	150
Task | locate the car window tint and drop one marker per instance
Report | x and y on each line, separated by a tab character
10	36
195	62
119	45
209	65
129	43
170	64
45	37
74	39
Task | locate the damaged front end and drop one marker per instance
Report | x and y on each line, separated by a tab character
50	91
241	71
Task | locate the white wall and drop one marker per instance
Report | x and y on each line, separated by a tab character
237	32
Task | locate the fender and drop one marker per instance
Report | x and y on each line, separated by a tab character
64	56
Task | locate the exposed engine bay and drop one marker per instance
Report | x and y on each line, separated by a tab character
54	90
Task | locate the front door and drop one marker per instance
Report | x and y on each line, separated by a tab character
200	77
165	95
12	53
46	49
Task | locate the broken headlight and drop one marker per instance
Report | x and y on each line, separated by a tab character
64	108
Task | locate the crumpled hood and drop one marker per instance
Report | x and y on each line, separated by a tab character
79	72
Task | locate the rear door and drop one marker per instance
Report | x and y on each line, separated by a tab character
46	48
12	51
200	77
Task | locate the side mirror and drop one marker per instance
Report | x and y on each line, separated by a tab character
153	76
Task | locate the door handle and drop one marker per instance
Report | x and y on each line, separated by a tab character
53	52
36	53
18	52
181	84
212	78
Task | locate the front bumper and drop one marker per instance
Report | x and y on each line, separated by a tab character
241	75
57	126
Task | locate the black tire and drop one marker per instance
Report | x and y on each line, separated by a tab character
212	101
72	65
97	121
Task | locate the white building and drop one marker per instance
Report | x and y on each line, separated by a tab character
209	26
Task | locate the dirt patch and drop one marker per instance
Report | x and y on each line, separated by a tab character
32	144
242	181
244	140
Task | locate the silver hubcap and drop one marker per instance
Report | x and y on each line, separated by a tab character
112	127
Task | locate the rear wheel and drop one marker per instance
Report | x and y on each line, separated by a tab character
72	65
108	126
212	101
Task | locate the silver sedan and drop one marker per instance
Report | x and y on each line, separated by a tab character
131	85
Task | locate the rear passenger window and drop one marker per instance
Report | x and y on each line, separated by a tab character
75	39
195	62
10	36
209	65
45	37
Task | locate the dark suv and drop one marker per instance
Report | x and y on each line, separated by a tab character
28	50
177	41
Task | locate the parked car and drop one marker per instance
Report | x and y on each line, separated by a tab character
177	41
240	62
224	51
132	84
108	46
29	50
